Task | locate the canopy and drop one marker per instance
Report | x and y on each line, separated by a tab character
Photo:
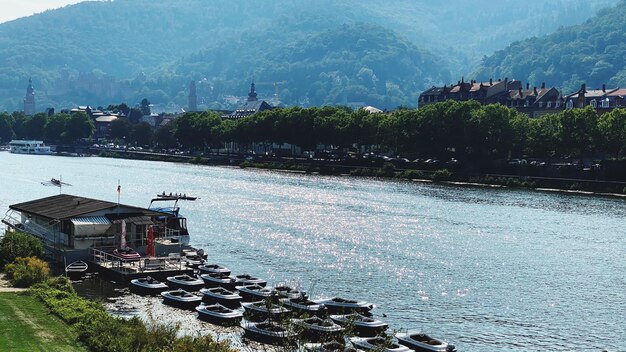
90	225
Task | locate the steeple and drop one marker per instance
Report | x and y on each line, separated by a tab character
29	99
252	94
193	97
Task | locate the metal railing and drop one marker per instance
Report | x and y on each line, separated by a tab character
111	261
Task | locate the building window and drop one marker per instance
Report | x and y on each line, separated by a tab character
570	104
540	104
605	103
557	104
593	103
549	104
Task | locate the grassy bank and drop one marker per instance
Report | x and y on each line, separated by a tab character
26	325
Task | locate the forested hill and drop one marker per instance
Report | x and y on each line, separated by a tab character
98	52
593	53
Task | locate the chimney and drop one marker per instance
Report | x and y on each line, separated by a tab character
603	87
543	85
490	82
527	86
535	90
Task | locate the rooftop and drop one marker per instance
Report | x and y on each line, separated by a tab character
65	206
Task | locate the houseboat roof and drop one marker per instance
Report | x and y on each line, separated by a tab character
66	206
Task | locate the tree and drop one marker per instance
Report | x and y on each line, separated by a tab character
119	128
79	126
578	129
489	131
34	126
612	131
18	244
6	127
141	134
164	136
55	127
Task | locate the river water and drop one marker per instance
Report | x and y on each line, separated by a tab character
486	269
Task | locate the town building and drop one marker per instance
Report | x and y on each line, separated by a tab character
603	100
251	106
29	99
193	97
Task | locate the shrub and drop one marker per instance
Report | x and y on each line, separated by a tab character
388	170
28	271
19	244
412	174
441	175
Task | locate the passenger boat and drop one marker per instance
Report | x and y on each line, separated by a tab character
316	329
255	293
181	299
218	280
147	286
128	254
29	147
76	269
213	269
378	344
424	343
304	306
270	333
339	305
284	291
185	282
259	311
176	223
221	296
361	325
218	314
246	279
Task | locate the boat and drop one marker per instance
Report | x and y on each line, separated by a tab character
175	196
128	254
218	280
360	325
29	147
270	333
213	269
76	269
339	305
246	279
221	296
259	311
284	291
316	329
185	282
218	314
332	346
304	306
378	343
181	299
176	225
194	260
418	341
147	286
255	293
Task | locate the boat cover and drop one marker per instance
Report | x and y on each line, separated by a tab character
90	225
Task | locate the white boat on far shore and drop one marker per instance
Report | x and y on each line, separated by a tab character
29	147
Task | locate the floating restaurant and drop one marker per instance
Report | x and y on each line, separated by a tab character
74	228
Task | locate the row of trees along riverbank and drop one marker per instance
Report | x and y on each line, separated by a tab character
467	131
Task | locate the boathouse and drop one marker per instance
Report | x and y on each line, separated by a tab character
72	223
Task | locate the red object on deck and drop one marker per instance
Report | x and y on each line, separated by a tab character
150	242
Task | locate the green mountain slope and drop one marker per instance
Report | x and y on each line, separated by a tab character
591	53
99	52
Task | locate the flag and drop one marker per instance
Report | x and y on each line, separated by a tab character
119	189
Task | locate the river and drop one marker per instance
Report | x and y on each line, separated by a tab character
486	269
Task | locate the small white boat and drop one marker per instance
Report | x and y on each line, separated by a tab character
213	269
284	291
219	280
339	305
304	306
246	279
418	341
128	254
181	299
361	325
147	286
259	311
185	282
270	333
316	329
221	296
255	293
218	314
378	344
76	269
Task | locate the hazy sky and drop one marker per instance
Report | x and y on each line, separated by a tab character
12	9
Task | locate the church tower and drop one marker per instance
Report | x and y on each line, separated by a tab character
252	94
29	100
193	97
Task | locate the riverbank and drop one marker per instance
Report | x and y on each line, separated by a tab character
389	171
26	325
